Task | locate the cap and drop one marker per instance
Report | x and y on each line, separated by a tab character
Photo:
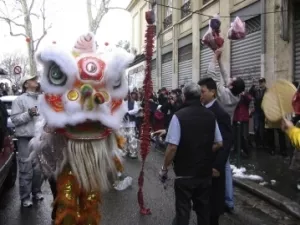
26	78
262	80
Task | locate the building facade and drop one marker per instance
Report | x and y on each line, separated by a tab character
271	48
135	72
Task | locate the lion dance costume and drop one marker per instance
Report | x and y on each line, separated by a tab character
77	136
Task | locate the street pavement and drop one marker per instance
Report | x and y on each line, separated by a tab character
273	168
122	208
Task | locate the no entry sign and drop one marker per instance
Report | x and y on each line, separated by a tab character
17	70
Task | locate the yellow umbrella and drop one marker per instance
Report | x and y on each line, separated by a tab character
277	101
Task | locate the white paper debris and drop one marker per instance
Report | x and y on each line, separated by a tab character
263	183
273	182
240	173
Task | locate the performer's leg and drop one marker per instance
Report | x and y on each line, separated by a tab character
89	208
123	182
68	192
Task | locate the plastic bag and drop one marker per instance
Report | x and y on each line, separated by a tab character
212	38
215	23
237	30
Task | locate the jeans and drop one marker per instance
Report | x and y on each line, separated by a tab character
196	190
228	186
30	175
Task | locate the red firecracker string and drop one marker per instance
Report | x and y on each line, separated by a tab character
148	87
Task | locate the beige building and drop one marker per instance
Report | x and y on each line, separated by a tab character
271	48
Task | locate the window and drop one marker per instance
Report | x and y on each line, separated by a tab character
168	14
185	8
169	8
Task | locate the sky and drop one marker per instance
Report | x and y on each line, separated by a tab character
69	21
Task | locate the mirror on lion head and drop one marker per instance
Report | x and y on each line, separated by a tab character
82	86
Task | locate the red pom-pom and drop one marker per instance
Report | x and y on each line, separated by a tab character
54	42
106	43
27	39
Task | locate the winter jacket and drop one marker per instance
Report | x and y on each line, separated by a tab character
241	112
225	96
24	123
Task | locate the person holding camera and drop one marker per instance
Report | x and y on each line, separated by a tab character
24	115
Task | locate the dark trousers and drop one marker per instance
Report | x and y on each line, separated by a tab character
214	220
259	128
243	136
196	190
270	139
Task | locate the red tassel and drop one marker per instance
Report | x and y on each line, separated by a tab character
148	87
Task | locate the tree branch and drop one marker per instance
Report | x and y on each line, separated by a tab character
11	32
11	21
42	37
31	6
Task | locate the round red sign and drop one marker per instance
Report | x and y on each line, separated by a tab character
17	70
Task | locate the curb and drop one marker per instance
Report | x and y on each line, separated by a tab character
279	201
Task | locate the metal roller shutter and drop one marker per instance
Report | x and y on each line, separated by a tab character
246	53
206	55
297	44
185	64
166	71
154	74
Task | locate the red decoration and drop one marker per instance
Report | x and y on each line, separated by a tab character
53	42
150	17
148	87
106	43
55	102
28	39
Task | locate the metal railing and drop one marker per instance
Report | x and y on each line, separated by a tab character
168	21
185	9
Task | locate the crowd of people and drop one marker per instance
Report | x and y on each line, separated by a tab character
5	90
182	125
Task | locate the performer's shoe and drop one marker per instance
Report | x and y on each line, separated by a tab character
123	184
38	196
133	156
27	203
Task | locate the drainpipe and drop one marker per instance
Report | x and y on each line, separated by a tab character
263	36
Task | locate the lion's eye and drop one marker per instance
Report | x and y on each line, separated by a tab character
117	84
56	76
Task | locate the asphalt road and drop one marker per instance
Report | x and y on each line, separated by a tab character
118	207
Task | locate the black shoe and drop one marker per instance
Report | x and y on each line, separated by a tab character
284	154
229	210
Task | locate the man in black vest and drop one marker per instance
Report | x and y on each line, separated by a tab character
208	98
191	136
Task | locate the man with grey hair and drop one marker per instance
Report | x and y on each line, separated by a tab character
192	135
